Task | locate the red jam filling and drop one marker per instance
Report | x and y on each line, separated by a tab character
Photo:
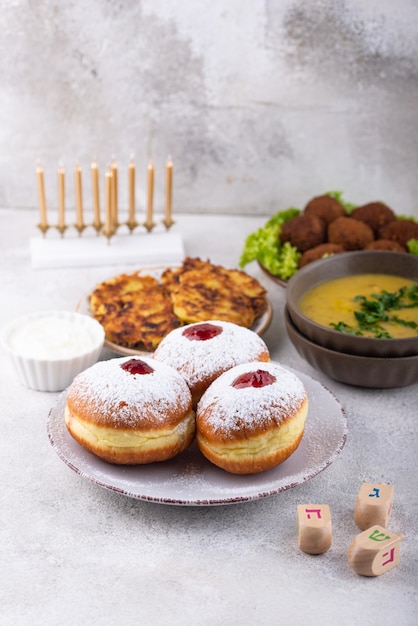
259	378
202	332
136	366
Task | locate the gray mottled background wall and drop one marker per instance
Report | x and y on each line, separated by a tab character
261	103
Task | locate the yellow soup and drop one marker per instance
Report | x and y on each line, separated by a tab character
335	303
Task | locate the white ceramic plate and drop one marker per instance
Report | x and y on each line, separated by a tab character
190	479
260	325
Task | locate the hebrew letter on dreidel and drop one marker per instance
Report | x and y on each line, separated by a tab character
374	551
373	505
314	528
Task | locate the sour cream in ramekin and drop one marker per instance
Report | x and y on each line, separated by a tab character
50	348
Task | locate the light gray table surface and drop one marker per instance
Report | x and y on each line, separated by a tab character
74	553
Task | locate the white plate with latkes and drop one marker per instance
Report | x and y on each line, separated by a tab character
189	479
260	325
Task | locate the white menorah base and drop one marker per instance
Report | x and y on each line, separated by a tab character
147	249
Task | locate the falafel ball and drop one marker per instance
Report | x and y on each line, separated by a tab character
375	215
349	233
324	249
303	232
325	207
385	244
401	231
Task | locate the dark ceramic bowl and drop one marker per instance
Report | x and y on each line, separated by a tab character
351	369
339	265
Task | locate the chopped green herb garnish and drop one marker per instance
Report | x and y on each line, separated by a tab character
375	310
342	327
406	323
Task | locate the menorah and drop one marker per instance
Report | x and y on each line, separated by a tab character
111	222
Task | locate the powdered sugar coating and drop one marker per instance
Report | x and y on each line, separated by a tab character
226	409
130	399
199	360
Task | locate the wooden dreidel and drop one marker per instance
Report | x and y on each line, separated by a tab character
373	505
374	551
314	528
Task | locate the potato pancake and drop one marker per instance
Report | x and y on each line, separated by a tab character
135	311
138	310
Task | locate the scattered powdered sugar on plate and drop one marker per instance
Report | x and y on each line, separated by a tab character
190	480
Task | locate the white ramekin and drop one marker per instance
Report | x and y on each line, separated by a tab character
52	372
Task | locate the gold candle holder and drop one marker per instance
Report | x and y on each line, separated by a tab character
43	227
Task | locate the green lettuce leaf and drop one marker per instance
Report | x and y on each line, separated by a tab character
338	195
264	246
412	246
